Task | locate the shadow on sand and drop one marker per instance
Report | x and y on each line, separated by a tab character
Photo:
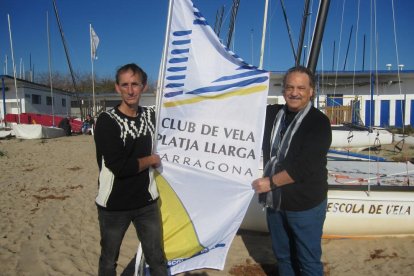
258	244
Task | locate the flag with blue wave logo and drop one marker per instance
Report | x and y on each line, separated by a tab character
210	128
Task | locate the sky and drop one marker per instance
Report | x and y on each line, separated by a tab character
134	31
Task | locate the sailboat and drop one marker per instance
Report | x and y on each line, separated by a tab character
366	197
32	131
362	201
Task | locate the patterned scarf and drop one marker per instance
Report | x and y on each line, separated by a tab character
279	148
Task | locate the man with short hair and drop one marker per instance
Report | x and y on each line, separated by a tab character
294	187
124	137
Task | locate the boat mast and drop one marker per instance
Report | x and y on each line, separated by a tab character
347	49
14	70
333	56
318	34
50	68
67	57
4	100
302	31
363	56
234	11
219	21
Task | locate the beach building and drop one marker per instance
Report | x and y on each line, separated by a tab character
383	98
32	98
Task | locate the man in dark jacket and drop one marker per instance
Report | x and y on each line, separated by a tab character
294	187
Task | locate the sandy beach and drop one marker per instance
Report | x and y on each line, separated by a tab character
49	221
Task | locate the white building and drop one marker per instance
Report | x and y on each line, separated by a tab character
385	98
32	98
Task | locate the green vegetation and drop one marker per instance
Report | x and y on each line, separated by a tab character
83	82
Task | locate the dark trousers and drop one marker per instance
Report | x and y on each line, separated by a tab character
113	226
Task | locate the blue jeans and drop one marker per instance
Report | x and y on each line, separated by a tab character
113	226
296	240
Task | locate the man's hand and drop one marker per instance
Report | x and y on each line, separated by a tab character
261	185
152	160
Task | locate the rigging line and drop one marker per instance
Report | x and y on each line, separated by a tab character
288	27
309	25
398	63
370	105
376	47
370	65
396	48
270	27
356	49
339	48
322	73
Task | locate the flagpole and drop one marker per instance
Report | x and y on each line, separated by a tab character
93	75
263	35
161	73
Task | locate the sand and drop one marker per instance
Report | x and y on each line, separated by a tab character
49	226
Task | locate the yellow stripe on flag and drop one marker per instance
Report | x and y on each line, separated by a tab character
198	98
180	237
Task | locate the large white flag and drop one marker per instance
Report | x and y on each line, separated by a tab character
94	43
210	130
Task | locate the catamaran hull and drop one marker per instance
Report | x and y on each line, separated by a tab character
354	214
360	138
356	209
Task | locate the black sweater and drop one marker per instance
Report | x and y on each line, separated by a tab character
120	140
305	161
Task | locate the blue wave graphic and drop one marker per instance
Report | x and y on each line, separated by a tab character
182	33
176	69
178	60
178	77
218	88
181	42
200	22
173	94
180	51
174	85
241	75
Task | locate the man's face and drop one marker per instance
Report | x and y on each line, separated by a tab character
130	88
297	91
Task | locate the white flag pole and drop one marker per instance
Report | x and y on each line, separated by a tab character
263	35
161	72
160	85
93	52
